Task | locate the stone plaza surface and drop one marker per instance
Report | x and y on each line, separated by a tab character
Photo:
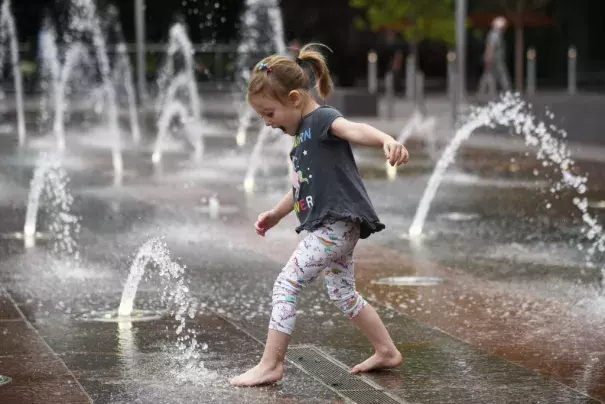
517	319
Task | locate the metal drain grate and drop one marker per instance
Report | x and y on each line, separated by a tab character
336	375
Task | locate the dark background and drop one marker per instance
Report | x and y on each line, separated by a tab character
331	22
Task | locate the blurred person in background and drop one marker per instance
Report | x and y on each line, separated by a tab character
494	71
395	56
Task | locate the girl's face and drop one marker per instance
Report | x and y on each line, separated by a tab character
277	115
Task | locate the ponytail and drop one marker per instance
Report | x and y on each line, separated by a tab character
277	75
317	62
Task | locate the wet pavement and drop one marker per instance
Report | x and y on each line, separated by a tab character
517	318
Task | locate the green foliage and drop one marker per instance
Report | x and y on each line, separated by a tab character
510	5
414	19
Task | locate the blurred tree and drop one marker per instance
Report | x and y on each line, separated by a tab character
519	20
416	20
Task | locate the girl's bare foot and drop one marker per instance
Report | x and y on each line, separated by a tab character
259	375
377	361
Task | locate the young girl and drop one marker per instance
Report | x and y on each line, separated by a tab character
330	201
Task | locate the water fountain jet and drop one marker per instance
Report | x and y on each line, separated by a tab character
180	111
123	73
51	180
283	146
481	118
85	19
56	76
250	45
175	291
179	42
512	111
7	28
50	68
255	159
418	123
74	56
170	85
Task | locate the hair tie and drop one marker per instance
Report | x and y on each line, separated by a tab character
265	66
299	61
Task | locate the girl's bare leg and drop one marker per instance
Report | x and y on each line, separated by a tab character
270	369
387	355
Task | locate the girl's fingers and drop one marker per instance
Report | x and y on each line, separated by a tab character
403	157
397	155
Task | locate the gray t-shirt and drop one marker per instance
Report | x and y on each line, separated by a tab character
325	178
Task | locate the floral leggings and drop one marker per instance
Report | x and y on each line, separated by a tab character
330	249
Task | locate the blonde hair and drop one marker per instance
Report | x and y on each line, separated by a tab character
277	75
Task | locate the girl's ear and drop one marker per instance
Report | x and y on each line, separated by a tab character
295	98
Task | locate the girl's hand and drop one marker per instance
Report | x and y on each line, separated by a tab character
395	152
266	220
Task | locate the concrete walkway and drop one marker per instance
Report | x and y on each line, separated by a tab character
467	340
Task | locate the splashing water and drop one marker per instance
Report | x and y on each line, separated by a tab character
50	68
176	109
244	119
214	206
175	292
512	111
7	28
55	78
418	123
75	55
170	86
262	34
51	180
256	157
481	118
122	71
179	42
123	74
257	41
84	19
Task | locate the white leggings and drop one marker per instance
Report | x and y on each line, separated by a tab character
328	248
